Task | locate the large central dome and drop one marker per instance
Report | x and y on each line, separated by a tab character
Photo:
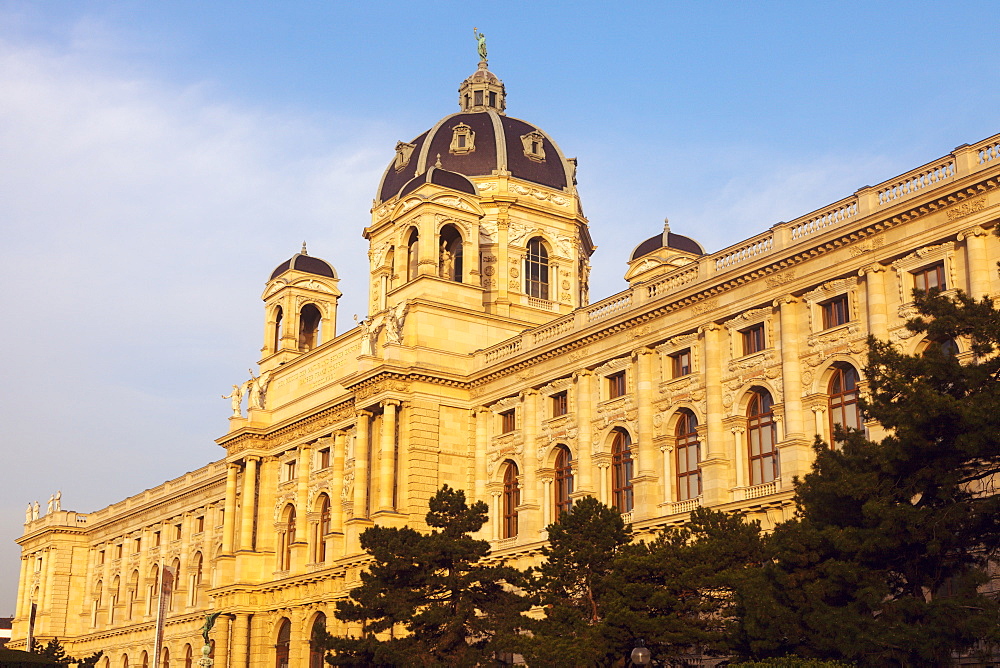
480	140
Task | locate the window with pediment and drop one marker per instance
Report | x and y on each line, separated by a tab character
688	456
621	471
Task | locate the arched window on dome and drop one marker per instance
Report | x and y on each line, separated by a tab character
688	456
450	254
511	500
762	438
412	254
278	329
563	482
843	393
621	471
283	644
316	654
310	320
536	269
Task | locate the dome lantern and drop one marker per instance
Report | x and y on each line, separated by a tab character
482	91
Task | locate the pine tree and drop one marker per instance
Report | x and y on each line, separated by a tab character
886	561
573	585
427	599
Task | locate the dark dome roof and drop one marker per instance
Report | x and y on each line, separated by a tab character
441	177
498	146
305	264
674	241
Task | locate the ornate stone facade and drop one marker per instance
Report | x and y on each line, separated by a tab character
483	362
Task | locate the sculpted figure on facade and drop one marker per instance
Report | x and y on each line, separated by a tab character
480	43
237	398
258	390
394	323
369	333
57	501
27	513
35	510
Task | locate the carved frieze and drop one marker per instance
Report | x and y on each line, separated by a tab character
967	208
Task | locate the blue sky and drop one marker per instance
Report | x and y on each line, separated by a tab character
157	160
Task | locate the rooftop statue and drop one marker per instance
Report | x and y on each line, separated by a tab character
481	39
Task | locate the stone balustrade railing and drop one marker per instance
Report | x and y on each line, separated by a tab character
780	238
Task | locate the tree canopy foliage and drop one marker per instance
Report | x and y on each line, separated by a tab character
885	562
427	599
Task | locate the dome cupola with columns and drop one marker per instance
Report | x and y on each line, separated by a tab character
480	213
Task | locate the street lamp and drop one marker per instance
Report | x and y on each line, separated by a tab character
640	655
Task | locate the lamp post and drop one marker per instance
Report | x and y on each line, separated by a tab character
640	655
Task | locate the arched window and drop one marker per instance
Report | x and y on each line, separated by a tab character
278	328
323	528
450	254
153	589
165	661
132	594
511	500
843	393
536	269
124	660
315	651
688	456
188	657
288	539
144	660
621	471
563	482
412	254
114	594
309	327
98	592
282	645
197	567
762	438
173	582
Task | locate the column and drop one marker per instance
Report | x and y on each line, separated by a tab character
976	261
739	450
241	640
645	482
482	415
668	473
361	461
403	460
249	501
527	517
546	501
795	450
818	414
22	590
337	482
715	466
603	474
585	437
503	257
229	517
427	250
221	633
387	466
496	515
300	548
878	316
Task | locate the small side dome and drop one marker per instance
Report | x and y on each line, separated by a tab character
659	255
440	177
667	240
306	264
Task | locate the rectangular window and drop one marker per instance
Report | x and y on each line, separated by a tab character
560	404
493	98
835	312
156	539
680	363
324	458
100	557
290	470
118	551
616	385
508	421
477	96
177	531
930	277
753	339
199	524
138	545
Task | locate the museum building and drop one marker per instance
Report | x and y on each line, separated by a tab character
483	364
